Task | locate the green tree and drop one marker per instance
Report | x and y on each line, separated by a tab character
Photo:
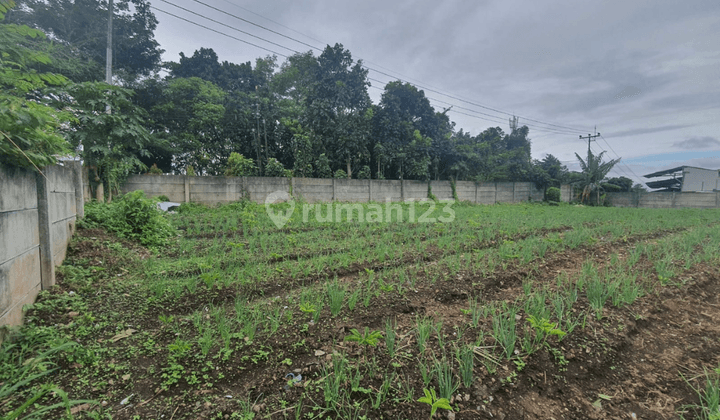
112	142
28	126
189	117
239	165
619	184
82	24
337	108
204	64
594	171
638	188
549	172
406	123
276	169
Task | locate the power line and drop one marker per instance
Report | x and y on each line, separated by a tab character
615	166
228	26
255	24
389	75
496	119
217	32
275	22
321	42
544	129
481	106
626	165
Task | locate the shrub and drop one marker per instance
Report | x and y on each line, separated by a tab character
340	174
276	169
322	167
552	194
239	165
154	170
134	217
364	172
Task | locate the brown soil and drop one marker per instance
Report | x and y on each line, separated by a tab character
630	364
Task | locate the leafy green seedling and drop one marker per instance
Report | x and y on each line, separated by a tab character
367	338
545	327
431	399
307	307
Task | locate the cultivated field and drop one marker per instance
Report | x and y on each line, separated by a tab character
506	311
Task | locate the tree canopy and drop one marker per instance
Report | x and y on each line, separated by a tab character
310	115
82	25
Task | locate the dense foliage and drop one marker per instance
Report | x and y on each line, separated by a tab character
134	217
28	126
309	116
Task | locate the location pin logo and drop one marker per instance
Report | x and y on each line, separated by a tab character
280	218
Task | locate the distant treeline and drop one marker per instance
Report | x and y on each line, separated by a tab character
309	116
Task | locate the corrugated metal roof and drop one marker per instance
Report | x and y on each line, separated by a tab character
665	172
674	183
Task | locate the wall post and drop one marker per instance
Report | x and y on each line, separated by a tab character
369	190
334	194
187	188
495	199
476	192
402	190
47	268
79	189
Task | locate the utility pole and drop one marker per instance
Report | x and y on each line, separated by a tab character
108	58
590	138
257	134
108	54
267	158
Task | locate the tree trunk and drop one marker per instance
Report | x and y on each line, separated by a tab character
349	169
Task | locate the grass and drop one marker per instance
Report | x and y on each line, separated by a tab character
503	330
708	394
423	329
233	297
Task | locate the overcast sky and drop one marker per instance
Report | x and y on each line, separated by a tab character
646	73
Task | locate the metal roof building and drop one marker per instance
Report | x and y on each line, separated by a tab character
686	179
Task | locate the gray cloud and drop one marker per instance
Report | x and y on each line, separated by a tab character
694	143
650	130
640	71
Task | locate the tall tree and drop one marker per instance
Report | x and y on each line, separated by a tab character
112	143
82	24
204	64
189	117
549	172
406	124
337	107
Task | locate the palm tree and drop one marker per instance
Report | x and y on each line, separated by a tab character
594	171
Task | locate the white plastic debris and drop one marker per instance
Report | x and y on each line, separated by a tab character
167	205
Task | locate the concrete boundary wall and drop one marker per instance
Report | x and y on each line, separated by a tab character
38	214
664	200
222	189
